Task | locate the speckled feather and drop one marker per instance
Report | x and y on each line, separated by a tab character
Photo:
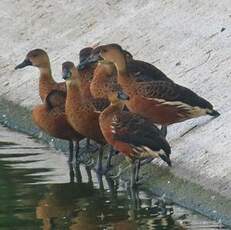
137	131
171	92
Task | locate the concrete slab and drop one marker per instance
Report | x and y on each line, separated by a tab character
188	40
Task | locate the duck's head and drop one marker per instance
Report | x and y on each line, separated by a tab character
84	58
110	52
84	54
70	73
36	57
68	70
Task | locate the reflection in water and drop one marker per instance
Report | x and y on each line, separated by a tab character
32	199
79	205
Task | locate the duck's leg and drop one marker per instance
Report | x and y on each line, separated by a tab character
78	174
133	174
77	151
71	150
110	155
89	175
71	173
100	181
99	164
110	184
135	200
164	130
138	165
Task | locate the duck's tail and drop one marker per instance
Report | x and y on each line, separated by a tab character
165	157
213	113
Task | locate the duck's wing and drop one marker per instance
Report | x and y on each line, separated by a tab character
171	92
138	132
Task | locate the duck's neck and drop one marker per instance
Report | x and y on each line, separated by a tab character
102	79
74	95
121	65
123	76
46	82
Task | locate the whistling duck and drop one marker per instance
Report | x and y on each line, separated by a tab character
80	110
51	118
134	136
163	102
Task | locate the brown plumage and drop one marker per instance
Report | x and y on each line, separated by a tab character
50	117
163	102
86	75
39	58
104	80
131	134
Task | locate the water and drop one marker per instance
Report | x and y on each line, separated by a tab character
38	190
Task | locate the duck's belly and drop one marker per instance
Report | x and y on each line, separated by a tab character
87	125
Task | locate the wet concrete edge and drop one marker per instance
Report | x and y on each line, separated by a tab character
181	191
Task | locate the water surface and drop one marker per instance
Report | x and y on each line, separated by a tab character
40	190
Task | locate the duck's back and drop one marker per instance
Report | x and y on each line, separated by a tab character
143	71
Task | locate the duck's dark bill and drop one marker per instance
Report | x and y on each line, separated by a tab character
25	63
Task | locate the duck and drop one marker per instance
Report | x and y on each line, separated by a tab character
81	111
50	117
131	134
162	102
